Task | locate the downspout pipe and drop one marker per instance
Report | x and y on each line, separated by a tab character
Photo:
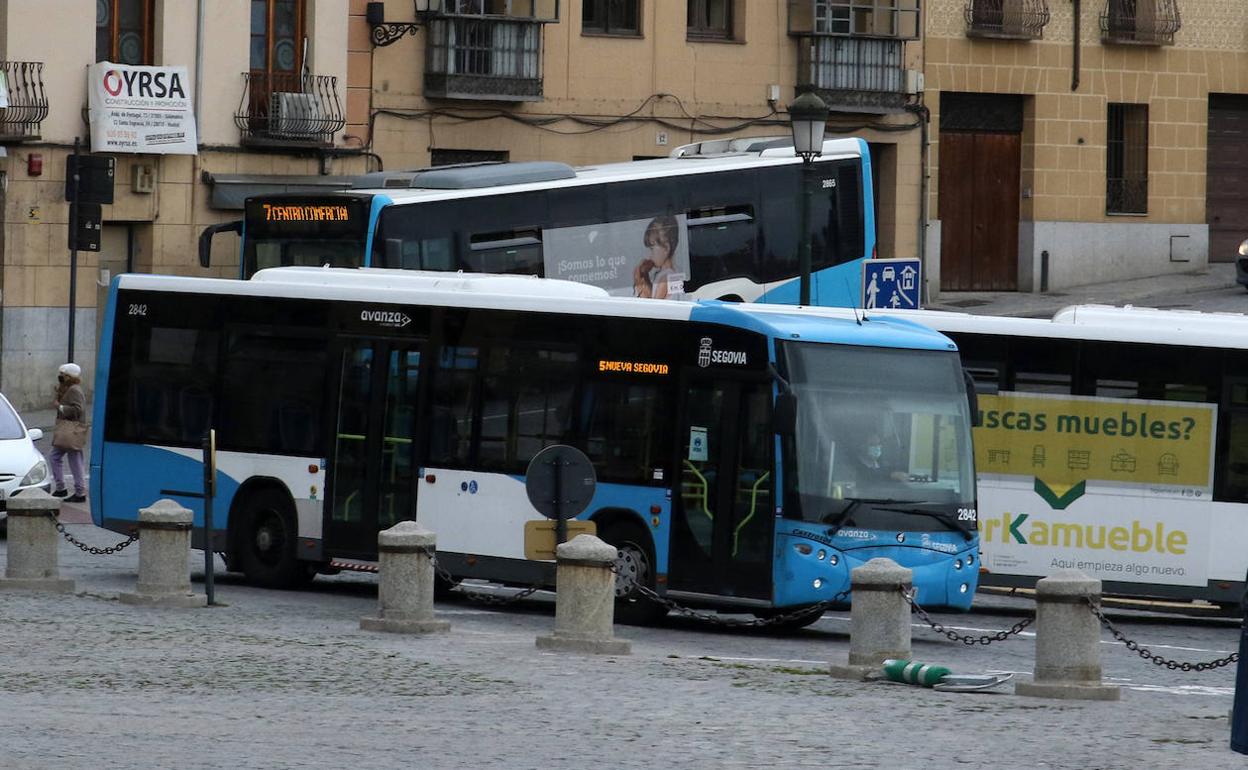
1078	23
199	66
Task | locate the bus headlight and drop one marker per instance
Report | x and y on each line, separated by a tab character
833	560
37	474
963	588
821	555
957	564
818	583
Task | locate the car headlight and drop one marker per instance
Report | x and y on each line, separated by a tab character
1243	249
37	474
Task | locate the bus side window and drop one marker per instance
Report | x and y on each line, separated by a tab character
624	430
1234	472
454	389
512	251
721	244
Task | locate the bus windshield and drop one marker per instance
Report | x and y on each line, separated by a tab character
882	440
264	253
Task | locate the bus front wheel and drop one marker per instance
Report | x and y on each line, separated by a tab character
634	565
267	538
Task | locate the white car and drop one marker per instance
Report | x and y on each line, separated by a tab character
21	465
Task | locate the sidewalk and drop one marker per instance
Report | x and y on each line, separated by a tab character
1150	292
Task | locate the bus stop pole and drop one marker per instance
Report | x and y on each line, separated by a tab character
210	482
561	526
1239	708
74	216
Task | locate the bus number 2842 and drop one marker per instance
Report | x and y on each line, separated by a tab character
136	309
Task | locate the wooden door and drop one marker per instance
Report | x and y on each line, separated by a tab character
1226	196
979	204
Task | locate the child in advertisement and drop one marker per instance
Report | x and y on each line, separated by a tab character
655	276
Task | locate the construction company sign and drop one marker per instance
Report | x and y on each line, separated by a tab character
144	110
1119	489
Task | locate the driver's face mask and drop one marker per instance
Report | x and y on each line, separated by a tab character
875	451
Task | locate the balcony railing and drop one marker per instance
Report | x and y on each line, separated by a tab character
484	58
854	74
27	103
1007	19
1140	22
289	110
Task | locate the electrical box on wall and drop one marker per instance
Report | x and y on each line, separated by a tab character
143	178
914	81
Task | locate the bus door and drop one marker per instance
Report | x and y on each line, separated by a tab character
724	511
372	465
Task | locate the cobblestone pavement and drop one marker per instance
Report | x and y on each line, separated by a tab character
287	680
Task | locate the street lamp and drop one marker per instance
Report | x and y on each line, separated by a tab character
386	32
808	116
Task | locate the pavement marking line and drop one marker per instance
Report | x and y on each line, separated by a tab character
764	660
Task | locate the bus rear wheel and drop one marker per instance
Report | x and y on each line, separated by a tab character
634	566
267	538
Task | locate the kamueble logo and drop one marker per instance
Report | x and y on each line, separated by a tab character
1139	537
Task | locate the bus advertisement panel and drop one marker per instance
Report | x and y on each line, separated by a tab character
1120	489
635	258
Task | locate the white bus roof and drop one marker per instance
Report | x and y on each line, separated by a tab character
557	175
544	295
1098	322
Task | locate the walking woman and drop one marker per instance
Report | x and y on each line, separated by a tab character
70	435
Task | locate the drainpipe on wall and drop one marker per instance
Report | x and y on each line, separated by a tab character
925	117
199	66
1078	22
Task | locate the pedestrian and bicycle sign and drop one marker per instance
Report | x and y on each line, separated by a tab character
890	283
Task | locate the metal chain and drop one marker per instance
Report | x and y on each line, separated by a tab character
1147	654
477	596
954	636
90	548
715	619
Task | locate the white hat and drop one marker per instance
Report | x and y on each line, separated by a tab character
73	370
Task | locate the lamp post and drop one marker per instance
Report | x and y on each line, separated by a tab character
386	32
808	116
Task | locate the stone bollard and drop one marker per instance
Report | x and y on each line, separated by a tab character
879	621
1068	641
32	561
164	545
585	599
405	596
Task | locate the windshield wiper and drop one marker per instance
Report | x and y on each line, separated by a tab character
943	518
838	519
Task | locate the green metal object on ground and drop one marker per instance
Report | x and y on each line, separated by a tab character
913	672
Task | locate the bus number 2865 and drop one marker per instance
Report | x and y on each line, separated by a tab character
136	309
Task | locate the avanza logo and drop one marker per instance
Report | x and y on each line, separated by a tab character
390	318
144	84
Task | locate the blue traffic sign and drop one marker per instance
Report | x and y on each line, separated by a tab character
890	283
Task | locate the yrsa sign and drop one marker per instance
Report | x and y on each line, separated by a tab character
144	110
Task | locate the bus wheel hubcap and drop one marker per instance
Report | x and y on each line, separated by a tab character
631	568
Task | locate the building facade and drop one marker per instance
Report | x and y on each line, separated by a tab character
271	112
592	81
1085	141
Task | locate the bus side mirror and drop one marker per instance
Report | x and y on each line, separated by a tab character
205	239
785	414
972	397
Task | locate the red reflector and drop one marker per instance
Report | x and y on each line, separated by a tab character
655	509
313	468
431	478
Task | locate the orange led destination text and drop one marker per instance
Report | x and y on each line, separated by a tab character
632	367
305	213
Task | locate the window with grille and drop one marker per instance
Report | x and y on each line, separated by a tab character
1127	159
865	18
710	19
611	17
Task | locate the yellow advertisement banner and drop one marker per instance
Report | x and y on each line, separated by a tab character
1063	440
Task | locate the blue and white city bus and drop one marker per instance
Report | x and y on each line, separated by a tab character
747	460
729	212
